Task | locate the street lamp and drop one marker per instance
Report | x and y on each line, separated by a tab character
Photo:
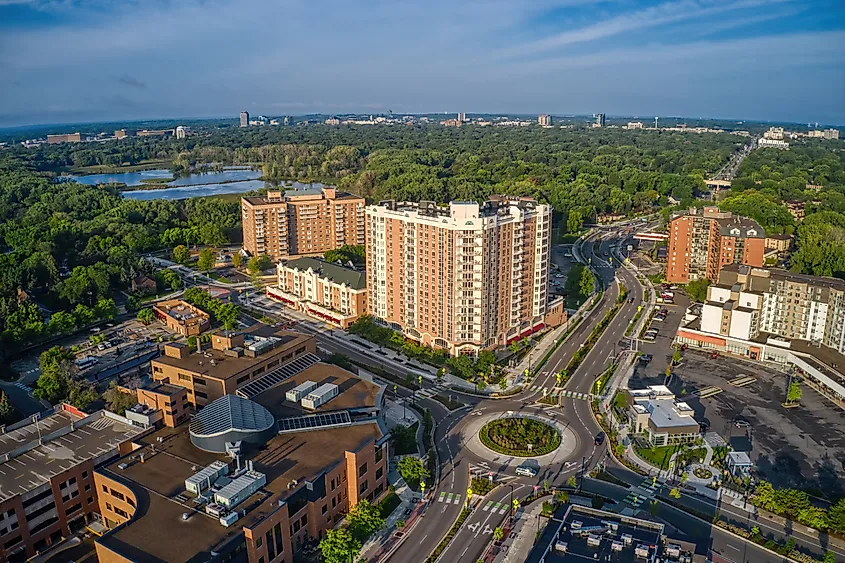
511	514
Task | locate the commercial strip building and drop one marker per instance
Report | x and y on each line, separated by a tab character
656	414
463	277
330	292
47	484
702	242
233	360
249	479
65	138
181	317
581	533
301	222
775	315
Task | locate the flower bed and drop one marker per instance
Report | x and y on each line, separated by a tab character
702	473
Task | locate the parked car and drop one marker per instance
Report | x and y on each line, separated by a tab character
646	358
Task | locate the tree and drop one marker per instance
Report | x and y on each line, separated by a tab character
237	259
836	516
404	439
81	395
8	413
84	315
25	324
675	493
105	309
562	497
258	264
364	520
118	401
400	524
676	356
339	546
206	259
572	481
794	392
62	322
585	285
53	384
498	534
412	469
146	316
697	289
829	557
181	254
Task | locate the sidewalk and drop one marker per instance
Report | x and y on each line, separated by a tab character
382	542
518	544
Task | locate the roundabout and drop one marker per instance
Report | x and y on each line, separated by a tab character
519	436
501	439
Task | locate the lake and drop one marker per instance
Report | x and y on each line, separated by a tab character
234	174
198	190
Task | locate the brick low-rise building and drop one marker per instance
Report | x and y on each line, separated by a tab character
330	292
169	500
181	317
232	360
298	222
47	484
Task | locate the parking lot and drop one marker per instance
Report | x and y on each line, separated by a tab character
802	447
563	259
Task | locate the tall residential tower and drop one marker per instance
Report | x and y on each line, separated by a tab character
462	277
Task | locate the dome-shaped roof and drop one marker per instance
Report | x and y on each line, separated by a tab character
233	416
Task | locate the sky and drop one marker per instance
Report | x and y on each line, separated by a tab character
65	61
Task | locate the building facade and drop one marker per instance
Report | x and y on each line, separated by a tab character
462	278
655	414
65	138
327	291
749	301
702	242
233	360
244	119
545	120
302	222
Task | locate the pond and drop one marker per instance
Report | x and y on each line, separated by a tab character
131	179
200	190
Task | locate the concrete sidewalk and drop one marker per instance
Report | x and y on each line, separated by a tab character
520	542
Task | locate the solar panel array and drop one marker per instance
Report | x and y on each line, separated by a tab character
277	376
315	421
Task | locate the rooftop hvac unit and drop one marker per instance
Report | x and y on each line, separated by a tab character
593	541
203	479
673	550
302	390
642	551
215	509
229	519
320	396
576	525
560	546
240	489
627	539
616	546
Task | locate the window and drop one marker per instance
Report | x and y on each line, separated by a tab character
108	506
379	454
201	394
118	494
379	473
105	489
199	381
362	470
183	377
271	549
242	379
87	487
363	487
73	508
334	502
333	485
259	542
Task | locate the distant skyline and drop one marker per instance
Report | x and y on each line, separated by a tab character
69	61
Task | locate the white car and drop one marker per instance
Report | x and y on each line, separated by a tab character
526	471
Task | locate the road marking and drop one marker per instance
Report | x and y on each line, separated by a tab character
503	510
457	499
732	547
449	498
487	506
442	495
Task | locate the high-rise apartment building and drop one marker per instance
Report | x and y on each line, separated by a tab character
244	119
545	120
462	116
302	222
462	277
600	120
702	242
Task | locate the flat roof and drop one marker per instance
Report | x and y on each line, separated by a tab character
353	392
158	533
596	523
662	414
224	366
32	464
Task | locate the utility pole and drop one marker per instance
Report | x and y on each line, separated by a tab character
583	464
511	509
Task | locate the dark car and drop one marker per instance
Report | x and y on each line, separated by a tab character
600	438
646	358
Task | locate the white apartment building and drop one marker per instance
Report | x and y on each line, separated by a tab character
773	143
462	277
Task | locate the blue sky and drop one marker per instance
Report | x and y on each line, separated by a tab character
96	60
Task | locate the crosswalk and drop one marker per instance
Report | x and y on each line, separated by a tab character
26	388
639	495
449	498
556	391
494	507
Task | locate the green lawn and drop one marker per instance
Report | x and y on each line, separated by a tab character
657	456
388	504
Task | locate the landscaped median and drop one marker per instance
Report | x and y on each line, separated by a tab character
447	539
598	330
